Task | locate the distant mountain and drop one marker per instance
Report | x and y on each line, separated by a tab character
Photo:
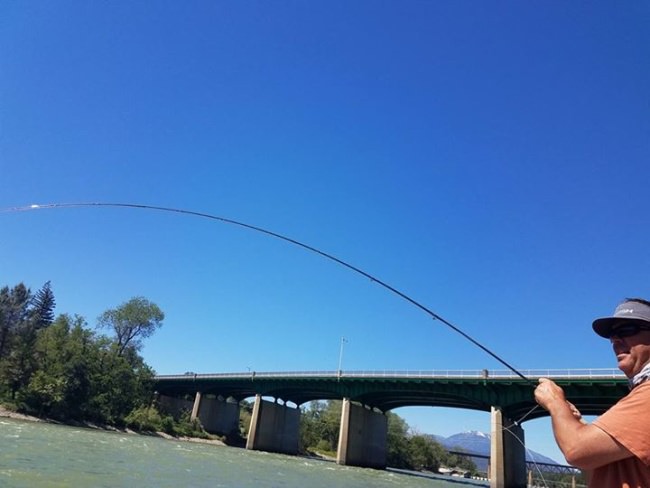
479	443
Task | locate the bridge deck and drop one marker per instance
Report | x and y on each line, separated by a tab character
592	391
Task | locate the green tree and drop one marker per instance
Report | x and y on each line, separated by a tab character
131	322
119	383
14	311
311	425
397	445
80	377
22	316
42	307
422	454
60	386
307	436
61	369
319	426
331	423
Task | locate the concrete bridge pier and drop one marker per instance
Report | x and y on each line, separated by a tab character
362	438
174	406
274	427
507	453
216	414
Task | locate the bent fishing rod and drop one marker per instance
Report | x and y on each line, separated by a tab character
390	288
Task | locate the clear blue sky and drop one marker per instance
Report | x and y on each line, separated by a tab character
489	159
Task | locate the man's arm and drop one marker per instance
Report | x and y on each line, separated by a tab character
583	445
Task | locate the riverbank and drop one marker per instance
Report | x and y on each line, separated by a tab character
138	438
6	413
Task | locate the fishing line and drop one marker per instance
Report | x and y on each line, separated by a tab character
521	419
539	471
432	314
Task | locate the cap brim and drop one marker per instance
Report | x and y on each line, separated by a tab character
604	325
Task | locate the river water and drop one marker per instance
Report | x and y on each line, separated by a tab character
36	454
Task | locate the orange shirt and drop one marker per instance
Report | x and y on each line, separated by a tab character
628	422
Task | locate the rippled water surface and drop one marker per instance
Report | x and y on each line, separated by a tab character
46	455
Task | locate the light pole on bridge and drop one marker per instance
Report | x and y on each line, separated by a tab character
343	340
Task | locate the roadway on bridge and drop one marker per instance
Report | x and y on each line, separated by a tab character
592	391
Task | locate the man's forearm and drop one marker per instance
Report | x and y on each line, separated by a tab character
567	430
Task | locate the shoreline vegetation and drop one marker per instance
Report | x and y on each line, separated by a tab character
11	414
211	440
59	369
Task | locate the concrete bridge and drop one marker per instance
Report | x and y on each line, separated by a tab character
214	399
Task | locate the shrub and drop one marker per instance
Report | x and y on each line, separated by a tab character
145	419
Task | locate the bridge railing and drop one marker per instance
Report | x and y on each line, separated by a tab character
593	373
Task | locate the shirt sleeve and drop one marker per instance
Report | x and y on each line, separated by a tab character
628	422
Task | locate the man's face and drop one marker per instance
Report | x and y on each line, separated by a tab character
632	352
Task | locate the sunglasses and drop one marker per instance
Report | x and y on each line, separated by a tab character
627	329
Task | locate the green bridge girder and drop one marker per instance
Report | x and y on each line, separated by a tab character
592	395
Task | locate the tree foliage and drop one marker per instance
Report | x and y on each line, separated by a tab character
397	441
60	368
22	316
319	427
131	322
14	310
42	307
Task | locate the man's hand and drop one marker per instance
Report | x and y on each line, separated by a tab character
548	395
584	446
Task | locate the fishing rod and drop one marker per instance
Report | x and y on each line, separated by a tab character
390	288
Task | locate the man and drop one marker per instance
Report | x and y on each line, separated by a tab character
615	448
